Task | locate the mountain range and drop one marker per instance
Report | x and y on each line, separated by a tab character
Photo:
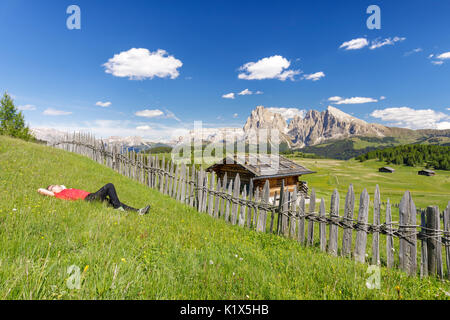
308	133
331	124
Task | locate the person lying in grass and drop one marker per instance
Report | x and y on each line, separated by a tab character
106	193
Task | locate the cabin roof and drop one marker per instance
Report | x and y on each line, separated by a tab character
261	166
427	170
388	168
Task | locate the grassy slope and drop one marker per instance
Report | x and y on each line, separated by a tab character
172	253
339	174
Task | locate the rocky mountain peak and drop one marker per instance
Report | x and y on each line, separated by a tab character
262	118
314	128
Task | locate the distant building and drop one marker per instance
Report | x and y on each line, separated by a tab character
426	172
386	169
258	171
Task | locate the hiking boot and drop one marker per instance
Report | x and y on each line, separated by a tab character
144	210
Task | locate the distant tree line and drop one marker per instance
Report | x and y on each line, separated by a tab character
432	156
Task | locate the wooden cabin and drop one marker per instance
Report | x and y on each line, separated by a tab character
386	169
426	172
259	170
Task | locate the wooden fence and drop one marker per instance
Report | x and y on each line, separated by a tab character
422	245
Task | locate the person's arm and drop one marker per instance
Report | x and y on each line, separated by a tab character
46	192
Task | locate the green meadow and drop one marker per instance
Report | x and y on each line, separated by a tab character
174	252
338	174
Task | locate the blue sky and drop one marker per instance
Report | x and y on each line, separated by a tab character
295	54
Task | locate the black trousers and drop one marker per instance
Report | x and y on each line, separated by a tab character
108	193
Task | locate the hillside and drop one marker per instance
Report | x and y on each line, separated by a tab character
344	149
172	253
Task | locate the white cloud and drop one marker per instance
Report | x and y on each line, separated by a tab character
335	98
413	51
444	56
440	58
54	112
274	67
448	109
235	115
171	115
444	125
228	96
139	64
143	128
103	104
27	107
288	113
314	76
414	119
382	98
156	113
388	41
353	100
149	113
259	92
245	92
355	44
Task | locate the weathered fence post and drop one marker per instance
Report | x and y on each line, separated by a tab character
283	217
205	190
193	192
170	176
424	251
322	226
361	234
167	178
223	207
389	237
156	166
348	221
407	229
334	216
446	238
211	194
301	220
235	204
272	215
312	207
162	176
228	201
200	190
242	211
377	223
261	226
294	216
187	186
183	183
434	248
250	208
255	211
217	202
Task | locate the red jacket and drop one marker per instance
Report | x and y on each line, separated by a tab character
71	194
